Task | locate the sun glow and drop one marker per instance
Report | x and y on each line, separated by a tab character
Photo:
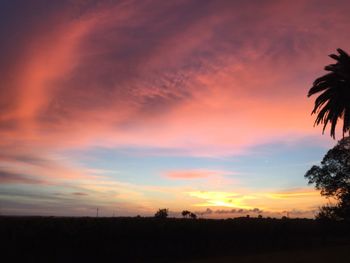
267	201
222	199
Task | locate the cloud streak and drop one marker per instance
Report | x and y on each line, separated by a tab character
13	178
195	174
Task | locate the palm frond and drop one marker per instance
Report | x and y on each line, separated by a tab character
334	101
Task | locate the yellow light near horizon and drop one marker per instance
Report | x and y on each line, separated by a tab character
212	195
221	199
298	199
294	195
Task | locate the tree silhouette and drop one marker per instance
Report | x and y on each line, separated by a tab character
193	216
332	177
334	101
161	213
185	213
328	212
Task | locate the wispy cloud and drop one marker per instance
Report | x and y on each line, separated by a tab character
195	174
79	194
14	178
209	93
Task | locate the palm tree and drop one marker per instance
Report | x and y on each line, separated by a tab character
334	101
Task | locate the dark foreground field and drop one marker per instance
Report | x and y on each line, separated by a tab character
51	239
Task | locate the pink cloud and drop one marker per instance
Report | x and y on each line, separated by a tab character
213	78
194	174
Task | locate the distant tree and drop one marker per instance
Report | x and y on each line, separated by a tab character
332	178
193	216
161	213
185	213
260	216
334	101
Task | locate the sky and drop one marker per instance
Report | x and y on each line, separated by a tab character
131	106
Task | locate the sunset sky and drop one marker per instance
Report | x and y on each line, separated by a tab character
131	106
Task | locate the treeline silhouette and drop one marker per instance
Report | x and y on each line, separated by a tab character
139	239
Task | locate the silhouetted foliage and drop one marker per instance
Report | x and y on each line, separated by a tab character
185	213
334	101
161	213
328	212
193	216
332	177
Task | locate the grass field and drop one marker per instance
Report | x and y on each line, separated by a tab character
52	239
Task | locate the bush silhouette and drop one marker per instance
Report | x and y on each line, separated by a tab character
193	216
185	213
161	213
